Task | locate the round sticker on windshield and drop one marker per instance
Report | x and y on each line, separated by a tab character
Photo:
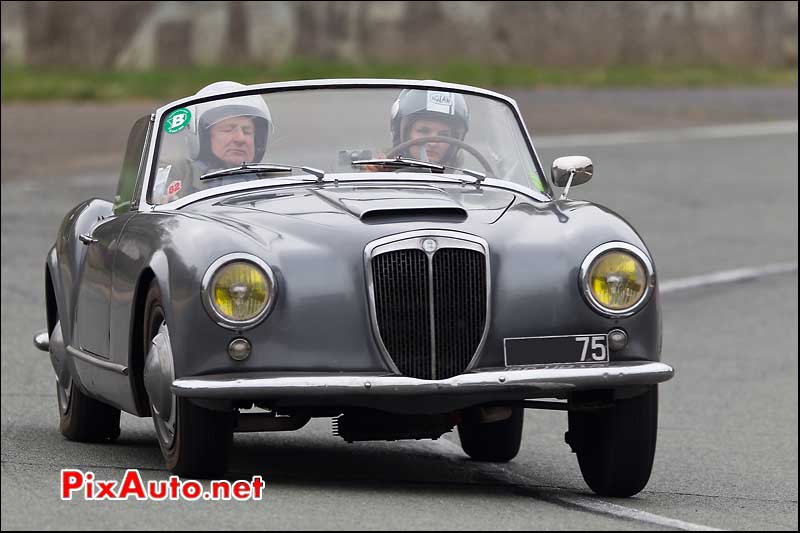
177	120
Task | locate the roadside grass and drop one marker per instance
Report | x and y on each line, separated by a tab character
31	83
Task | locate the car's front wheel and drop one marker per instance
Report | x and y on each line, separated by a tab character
195	442
496	442
616	445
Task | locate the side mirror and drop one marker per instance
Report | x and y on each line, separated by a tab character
578	167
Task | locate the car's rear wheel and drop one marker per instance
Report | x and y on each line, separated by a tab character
81	418
616	445
496	442
195	442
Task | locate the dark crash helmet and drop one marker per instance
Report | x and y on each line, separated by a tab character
414	104
209	113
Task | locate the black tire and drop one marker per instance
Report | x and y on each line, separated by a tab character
202	438
82	418
202	442
85	419
496	442
616	445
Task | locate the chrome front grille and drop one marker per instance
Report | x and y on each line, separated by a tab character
429	307
459	303
403	309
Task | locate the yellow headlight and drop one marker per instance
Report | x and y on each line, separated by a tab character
240	291
617	280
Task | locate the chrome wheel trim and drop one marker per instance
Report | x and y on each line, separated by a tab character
58	358
165	427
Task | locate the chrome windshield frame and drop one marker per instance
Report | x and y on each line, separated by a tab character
354	83
237	189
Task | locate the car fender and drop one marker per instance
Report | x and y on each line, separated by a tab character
71	253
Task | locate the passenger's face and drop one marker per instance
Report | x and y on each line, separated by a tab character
233	140
429	128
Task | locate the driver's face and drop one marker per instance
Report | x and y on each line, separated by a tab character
233	140
429	128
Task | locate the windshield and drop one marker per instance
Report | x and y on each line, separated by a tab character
330	129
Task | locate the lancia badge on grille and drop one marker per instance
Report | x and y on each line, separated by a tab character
429	245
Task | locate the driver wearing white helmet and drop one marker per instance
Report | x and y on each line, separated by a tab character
222	134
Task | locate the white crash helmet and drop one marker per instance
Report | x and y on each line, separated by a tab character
207	114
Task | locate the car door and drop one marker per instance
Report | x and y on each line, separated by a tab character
94	295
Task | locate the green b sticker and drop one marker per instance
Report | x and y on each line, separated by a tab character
177	120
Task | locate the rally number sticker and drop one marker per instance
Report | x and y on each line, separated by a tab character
174	187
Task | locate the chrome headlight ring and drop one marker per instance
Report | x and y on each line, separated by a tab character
207	290
585	273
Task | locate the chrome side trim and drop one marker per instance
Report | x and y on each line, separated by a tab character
586	290
105	365
413	240
544	378
208	304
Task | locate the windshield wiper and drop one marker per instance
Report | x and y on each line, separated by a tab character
262	168
418	163
480	176
401	162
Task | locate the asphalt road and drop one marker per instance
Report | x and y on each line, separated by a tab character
727	452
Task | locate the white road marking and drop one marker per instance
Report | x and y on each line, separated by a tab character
621	511
755	129
595	505
726	276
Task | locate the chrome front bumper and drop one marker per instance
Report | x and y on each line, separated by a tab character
540	381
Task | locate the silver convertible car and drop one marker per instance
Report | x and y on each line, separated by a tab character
385	253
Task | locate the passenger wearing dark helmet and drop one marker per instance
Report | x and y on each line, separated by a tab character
418	113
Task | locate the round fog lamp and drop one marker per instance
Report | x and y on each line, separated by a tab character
239	349
617	339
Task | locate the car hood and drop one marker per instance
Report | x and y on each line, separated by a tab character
380	203
340	219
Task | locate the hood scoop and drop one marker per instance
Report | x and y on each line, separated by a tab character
378	204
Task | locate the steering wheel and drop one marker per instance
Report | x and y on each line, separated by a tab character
456	143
